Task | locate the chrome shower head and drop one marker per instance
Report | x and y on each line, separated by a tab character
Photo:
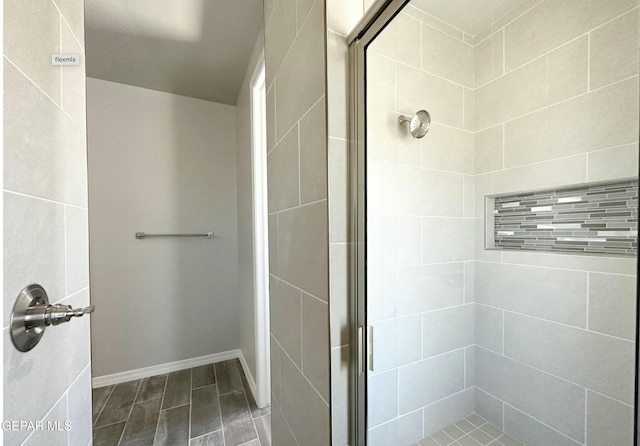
419	124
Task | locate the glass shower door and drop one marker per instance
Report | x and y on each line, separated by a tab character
501	245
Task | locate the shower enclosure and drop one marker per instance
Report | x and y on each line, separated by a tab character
495	263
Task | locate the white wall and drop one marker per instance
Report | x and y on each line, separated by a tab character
246	283
160	163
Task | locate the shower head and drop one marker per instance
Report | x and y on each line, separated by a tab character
419	124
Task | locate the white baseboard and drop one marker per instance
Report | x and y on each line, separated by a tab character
145	372
247	373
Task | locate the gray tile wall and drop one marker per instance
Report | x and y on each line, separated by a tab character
599	218
298	221
45	216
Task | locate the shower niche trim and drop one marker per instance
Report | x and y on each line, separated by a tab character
596	218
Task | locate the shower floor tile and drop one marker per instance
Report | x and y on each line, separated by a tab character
472	431
207	405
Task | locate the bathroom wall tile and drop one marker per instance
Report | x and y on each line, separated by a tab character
469	282
614	50
561	172
73	78
488	407
469	116
50	437
446	148
441	192
77	249
446	377
408	30
381	81
340	382
557	295
406	429
612	304
469	193
601	363
283	175
479	237
31	36
339	305
532	432
446	57
432	21
424	288
382	404
619	162
73	14
42	140
447	239
280	33
286	318
488	59
382	293
303	248
306	413
280	431
386	139
338	191
276	370
342	16
598	120
447	329
271	117
419	90
409	230
450	410
394	342
304	65
553	23
79	417
337	82
616	265
302	10
315	345
383	248
489	149
32	226
489	328
558	75
273	243
49	383
386	43
608	421
313	154
551	400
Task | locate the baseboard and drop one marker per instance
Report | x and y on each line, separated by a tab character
247	373
145	372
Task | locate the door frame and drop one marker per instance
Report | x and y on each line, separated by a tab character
262	392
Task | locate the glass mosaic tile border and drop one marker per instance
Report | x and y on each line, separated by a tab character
598	218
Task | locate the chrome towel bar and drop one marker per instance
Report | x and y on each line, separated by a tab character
142	235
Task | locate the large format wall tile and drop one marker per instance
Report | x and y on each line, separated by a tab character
601	363
441	192
489	407
447	239
446	57
612	304
609	422
302	248
533	432
489	59
77	248
551	400
448	149
283	174
285	318
447	411
304	65
406	429
488	146
613	164
315	348
382	403
42	140
553	23
313	154
489	328
447	329
424	288
280	32
394	342
547	293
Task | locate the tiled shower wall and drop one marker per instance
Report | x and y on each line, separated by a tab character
556	104
298	216
420	230
45	217
548	97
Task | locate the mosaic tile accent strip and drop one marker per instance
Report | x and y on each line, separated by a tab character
598	219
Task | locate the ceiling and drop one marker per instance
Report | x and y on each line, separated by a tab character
470	16
196	48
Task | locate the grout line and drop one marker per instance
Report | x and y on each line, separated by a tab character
104	405
510	21
420	11
298	206
588	293
301	290
43	92
126	423
8	191
588	63
66	254
299	163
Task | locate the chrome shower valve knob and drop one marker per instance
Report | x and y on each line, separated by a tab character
32	313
